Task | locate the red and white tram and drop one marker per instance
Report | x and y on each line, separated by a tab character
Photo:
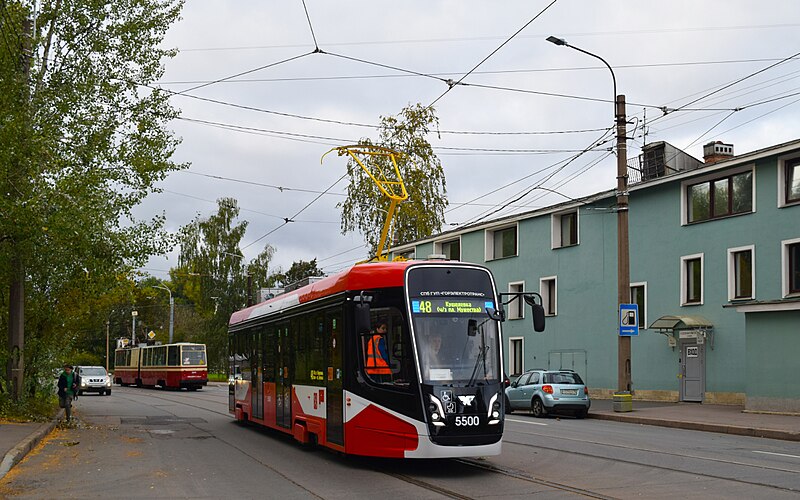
176	366
390	359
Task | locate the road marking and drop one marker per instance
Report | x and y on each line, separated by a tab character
777	454
525	422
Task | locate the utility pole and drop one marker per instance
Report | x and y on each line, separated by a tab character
108	324
16	303
624	382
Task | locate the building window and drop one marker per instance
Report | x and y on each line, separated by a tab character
501	243
741	273
549	291
516	305
720	197
639	297
515	356
450	249
564	229
692	280
792	176
791	267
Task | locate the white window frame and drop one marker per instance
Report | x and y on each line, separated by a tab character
545	293
782	160
732	272
489	242
555	229
710	177
684	280
437	246
520	305
785	267
511	354
642	314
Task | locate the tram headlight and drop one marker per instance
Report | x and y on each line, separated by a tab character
494	410
437	411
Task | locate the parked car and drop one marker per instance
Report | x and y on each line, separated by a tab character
93	379
548	391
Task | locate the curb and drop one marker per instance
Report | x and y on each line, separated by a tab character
701	426
18	452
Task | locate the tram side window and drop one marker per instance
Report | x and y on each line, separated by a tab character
303	329
172	355
161	356
244	353
386	354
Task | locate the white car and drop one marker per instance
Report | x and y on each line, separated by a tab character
93	379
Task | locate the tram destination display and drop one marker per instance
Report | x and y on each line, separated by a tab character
456	305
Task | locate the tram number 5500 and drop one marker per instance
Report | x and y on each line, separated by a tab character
467	420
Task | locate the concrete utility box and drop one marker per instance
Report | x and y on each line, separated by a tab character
623	401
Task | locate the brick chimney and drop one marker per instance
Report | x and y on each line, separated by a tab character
717	151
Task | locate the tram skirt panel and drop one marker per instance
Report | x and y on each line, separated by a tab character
373	431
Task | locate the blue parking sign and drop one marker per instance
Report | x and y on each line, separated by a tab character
628	320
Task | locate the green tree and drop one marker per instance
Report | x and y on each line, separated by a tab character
83	139
212	273
422	214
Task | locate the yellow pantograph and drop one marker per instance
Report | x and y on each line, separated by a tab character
388	180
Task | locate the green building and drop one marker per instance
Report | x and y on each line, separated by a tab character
714	269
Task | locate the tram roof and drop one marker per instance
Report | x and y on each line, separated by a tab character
359	277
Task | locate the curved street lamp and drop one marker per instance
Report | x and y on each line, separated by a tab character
624	382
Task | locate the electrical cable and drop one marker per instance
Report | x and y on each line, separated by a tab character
451	84
270	65
291	219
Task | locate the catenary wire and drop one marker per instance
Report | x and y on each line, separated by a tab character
451	84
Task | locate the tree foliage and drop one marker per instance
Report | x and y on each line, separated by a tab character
422	214
83	139
212	273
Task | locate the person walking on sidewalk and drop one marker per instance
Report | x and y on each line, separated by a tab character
67	390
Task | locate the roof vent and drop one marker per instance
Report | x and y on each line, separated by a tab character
437	256
717	151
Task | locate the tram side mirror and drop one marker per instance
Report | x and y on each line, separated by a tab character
538	317
362	320
472	327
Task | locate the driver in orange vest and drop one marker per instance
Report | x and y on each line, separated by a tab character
377	356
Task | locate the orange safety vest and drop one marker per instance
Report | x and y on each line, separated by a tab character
376	364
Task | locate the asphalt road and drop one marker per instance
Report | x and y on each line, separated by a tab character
144	443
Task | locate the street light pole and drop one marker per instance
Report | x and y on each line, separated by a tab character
171	310
624	382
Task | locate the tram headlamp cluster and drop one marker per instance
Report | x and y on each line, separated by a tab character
494	410
437	411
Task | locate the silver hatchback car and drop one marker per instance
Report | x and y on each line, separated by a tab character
548	391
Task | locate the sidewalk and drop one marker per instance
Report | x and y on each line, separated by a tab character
16	440
703	417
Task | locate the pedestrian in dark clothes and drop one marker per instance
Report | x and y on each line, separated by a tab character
67	390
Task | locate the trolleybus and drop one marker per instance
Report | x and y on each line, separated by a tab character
388	359
175	366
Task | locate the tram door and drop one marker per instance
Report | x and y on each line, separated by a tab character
283	382
257	387
334	408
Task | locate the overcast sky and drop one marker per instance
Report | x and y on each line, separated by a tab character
269	127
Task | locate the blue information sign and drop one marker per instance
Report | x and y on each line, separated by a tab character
628	320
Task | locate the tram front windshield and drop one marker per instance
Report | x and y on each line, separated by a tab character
457	343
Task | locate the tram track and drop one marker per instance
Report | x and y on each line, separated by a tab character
694	472
185	399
